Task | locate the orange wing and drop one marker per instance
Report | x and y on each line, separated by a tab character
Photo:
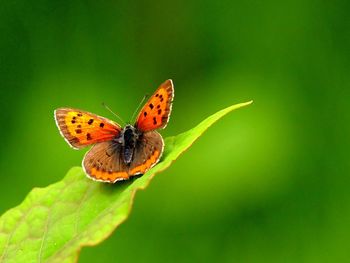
155	113
80	128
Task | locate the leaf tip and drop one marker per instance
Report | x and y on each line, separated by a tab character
248	103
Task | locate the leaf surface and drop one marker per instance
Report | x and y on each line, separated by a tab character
53	223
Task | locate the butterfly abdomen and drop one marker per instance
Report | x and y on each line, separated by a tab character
130	137
128	153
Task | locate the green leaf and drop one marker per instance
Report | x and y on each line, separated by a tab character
52	224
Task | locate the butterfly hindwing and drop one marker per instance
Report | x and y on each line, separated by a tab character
155	113
147	153
104	162
81	128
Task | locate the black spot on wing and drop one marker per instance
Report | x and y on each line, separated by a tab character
74	140
90	121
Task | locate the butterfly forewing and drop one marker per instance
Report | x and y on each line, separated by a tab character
81	128
155	113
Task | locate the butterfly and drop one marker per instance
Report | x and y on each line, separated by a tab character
119	153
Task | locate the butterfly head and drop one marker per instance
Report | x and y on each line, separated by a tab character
130	129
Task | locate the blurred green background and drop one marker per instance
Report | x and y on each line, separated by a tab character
268	183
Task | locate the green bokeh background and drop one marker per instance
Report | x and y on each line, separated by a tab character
269	183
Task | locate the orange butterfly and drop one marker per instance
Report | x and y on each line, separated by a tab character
118	153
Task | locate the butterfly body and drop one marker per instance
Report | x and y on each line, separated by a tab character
128	139
118	153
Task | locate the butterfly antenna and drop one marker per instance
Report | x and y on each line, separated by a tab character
107	108
138	107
